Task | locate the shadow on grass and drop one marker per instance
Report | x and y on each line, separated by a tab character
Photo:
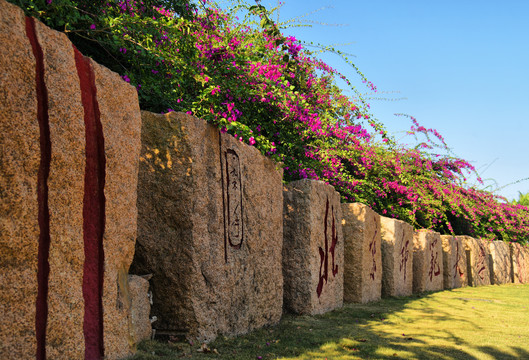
459	324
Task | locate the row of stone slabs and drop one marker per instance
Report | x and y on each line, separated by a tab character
210	224
228	259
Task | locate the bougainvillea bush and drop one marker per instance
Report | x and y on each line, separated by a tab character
236	70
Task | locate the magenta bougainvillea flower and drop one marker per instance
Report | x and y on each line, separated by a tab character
270	91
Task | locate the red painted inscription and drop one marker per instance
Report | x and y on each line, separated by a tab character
404	253
435	268
373	251
93	211
457	267
521	264
43	267
324	254
481	266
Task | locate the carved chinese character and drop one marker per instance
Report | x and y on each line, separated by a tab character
482	256
404	253
373	251
324	254
334	237
233	208
521	264
435	268
457	267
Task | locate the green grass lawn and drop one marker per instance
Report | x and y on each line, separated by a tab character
490	322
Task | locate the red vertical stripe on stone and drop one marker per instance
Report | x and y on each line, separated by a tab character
93	212
223	201
43	266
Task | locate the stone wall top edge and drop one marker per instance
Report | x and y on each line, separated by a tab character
389	219
358	204
308	182
448	236
186	117
427	231
12	7
463	237
41	26
117	78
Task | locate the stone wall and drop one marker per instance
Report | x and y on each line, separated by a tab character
454	262
70	135
477	261
140	304
313	248
520	264
363	255
210	229
500	263
397	257
427	261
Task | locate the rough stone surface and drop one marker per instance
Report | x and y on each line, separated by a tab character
500	262
397	257
121	122
63	311
454	262
520	264
19	159
525	250
363	255
64	334
210	229
427	261
313	248
477	261
140	307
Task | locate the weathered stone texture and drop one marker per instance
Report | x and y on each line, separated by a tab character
520	264
210	229
40	89
477	261
64	335
427	261
454	262
462	264
313	248
397	257
140	307
500	263
363	255
525	270
121	124
19	159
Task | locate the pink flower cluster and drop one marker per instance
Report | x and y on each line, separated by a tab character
270	92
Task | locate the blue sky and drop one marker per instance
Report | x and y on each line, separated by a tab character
461	65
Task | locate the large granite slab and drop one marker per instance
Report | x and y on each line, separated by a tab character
313	248
70	134
427	261
454	262
477	261
500	262
210	229
397	257
363	255
520	263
